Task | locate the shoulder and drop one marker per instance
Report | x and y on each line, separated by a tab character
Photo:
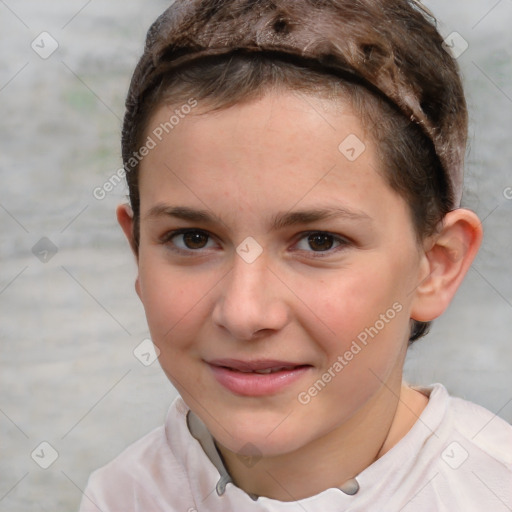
146	474
133	472
484	430
460	458
452	418
147	451
475	459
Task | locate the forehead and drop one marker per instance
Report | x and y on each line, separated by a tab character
273	153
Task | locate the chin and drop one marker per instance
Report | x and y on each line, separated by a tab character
262	435
257	445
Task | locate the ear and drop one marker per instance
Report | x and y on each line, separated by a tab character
445	262
125	218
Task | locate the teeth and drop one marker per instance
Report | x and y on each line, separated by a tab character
274	370
266	371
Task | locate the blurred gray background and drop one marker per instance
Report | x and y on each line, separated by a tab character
70	319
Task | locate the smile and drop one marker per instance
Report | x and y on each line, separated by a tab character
269	370
256	378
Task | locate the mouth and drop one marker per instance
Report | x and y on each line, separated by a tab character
256	378
262	366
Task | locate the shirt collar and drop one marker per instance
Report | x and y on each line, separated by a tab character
213	487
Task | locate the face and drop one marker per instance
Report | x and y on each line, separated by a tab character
275	269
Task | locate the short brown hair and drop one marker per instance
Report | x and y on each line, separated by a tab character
384	57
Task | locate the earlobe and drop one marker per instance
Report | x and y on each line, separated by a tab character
445	264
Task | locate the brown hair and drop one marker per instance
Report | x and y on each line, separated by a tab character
385	57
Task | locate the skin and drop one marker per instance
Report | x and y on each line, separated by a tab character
245	165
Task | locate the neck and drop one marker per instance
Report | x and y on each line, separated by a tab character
328	462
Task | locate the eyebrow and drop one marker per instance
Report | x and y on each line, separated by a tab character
279	221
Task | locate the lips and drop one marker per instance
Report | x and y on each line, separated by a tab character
260	366
256	378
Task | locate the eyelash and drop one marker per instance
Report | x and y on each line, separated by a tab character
168	237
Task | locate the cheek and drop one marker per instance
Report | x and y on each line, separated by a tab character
174	301
365	341
354	299
366	312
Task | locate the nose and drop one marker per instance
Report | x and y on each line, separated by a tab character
251	301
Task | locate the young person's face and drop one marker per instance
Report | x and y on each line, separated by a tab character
328	299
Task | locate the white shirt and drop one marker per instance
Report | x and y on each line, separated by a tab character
456	457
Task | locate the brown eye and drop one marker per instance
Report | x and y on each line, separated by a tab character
188	241
321	244
195	239
321	241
